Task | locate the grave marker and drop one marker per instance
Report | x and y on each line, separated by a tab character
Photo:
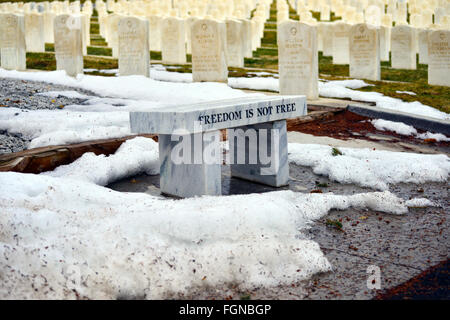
68	44
364	52
173	46
209	51
403	51
12	41
298	59
134	52
439	57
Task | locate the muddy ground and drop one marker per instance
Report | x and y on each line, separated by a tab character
401	246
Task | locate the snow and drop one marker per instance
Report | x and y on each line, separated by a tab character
435	136
134	87
136	244
67	236
101	117
55	127
163	84
333	90
407	92
397	127
407	130
419	203
371	168
136	156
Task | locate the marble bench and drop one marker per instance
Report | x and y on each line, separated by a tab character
253	124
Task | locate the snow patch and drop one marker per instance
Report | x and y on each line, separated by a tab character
406	130
371	168
134	156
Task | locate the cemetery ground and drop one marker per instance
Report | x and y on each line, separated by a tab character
363	192
351	239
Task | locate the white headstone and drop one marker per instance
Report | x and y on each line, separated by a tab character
173	45
34	32
327	39
298	59
68	44
112	34
154	29
364	52
385	42
134	52
423	45
247	37
403	52
12	41
340	43
235	47
209	61
439	57
48	26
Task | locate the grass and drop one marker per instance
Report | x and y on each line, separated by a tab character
46	61
99	51
98	42
336	152
335	224
95	28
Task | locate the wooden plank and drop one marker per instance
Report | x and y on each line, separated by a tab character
48	158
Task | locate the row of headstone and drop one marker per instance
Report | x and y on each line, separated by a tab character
68	43
39	21
298	60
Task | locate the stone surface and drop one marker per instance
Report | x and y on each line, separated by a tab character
112	35
134	52
209	51
298	59
173	46
340	43
247	37
48	26
220	114
12	42
188	179
364	52
403	53
68	44
154	32
439	57
385	43
263	151
423	45
327	39
188	27
34	32
235	45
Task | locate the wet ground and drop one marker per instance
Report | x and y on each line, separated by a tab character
401	246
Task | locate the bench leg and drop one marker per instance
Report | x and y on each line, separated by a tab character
188	179
265	142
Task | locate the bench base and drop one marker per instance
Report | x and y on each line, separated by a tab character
272	145
187	180
257	153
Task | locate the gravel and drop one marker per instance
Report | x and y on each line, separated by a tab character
22	94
